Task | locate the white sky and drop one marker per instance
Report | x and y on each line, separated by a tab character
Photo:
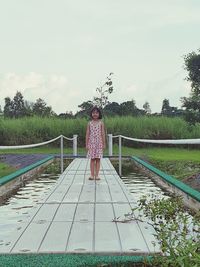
61	50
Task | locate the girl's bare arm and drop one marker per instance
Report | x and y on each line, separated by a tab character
87	136
103	135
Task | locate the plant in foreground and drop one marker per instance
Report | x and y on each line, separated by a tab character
175	229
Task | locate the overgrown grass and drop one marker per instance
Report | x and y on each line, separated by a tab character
36	129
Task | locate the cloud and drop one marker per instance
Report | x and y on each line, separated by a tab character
54	89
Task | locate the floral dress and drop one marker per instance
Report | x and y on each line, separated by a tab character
95	141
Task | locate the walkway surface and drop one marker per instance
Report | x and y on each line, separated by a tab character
77	217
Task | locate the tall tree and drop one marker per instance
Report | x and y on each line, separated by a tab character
192	103
18	105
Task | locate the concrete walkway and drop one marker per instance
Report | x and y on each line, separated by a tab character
77	217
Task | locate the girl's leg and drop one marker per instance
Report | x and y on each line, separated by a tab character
92	161
97	168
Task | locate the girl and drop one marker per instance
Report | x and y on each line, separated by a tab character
95	142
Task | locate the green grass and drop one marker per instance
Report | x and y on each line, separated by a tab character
35	129
5	169
154	153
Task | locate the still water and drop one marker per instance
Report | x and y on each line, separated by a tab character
139	185
16	208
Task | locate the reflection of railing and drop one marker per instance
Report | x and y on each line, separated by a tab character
175	142
61	137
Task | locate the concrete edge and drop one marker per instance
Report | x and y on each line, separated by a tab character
191	197
15	180
9	177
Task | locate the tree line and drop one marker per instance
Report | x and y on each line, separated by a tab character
190	111
18	107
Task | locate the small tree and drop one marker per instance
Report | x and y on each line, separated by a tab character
18	105
104	91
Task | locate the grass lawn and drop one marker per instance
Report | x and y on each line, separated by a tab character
154	153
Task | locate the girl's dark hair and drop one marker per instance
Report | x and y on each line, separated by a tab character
98	110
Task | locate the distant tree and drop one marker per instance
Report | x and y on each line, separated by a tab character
104	91
85	109
166	109
8	108
28	108
66	115
18	106
170	111
1	112
128	108
147	108
192	103
112	108
41	109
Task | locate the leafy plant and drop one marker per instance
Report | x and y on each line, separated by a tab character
176	230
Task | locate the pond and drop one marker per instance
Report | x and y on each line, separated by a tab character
138	183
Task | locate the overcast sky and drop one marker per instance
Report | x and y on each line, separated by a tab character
61	50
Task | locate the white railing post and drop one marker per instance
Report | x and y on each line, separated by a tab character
110	145
61	154
75	144
120	155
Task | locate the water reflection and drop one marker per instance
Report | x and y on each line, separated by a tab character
139	185
16	208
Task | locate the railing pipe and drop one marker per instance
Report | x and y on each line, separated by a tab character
75	144
120	155
61	154
110	145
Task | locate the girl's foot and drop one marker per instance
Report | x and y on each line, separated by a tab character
97	178
91	178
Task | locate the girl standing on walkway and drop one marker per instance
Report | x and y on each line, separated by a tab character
95	142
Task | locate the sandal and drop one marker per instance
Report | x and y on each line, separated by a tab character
91	178
98	178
